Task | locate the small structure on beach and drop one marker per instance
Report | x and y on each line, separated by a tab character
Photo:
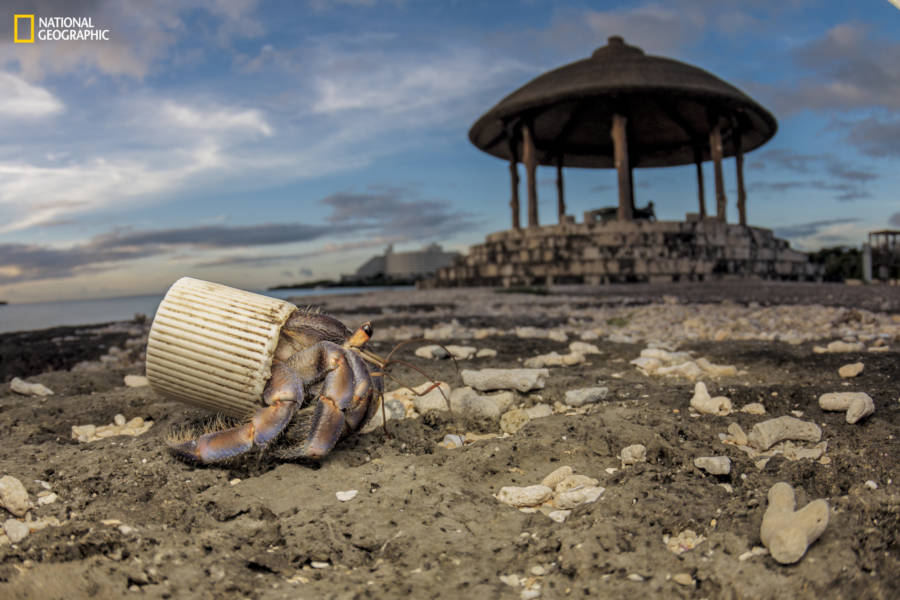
881	256
403	266
621	108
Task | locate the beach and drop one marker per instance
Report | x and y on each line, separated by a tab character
421	512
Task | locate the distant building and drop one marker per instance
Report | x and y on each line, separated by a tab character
403	266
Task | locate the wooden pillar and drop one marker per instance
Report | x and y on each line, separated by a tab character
514	184
620	144
715	145
529	157
701	197
742	194
560	190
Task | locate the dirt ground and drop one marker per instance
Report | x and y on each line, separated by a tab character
134	521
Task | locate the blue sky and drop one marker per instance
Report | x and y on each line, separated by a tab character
257	143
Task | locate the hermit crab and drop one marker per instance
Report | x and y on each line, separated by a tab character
259	359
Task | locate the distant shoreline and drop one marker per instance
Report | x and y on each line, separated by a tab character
329	283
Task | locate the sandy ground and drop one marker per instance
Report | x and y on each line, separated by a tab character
134	521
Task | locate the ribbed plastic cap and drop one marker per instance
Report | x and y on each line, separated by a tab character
211	345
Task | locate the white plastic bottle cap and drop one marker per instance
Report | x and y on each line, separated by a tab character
211	345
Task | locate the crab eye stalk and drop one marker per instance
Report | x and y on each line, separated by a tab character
367	328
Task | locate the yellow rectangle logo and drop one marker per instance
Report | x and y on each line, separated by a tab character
20	27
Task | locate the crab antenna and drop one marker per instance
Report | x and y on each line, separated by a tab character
434	384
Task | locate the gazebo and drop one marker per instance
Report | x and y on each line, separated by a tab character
622	108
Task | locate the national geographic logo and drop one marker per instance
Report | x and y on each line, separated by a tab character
68	29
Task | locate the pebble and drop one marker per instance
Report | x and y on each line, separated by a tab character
467	401
786	532
539	411
767	433
851	370
431	351
25	388
136	381
91	433
716	370
532	495
684	541
530	594
347	495
633	454
318	564
538	570
559	516
462	352
582	396
753	408
703	403
635	577
584	348
714	465
871	485
523	380
857	404
14	496
15	530
514	420
737	435
433	400
486	353
512	580
574	481
840	346
683	579
47	498
554	359
555	477
119	420
576	497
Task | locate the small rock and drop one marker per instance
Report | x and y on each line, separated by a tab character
318	564
530	594
786	532
683	542
538	570
633	454
687	369
14	496
346	495
234	481
851	370
15	530
584	396
857	404
635	577
136	381
583	348
512	580
462	352
120	420
871	485
683	579
753	408
25	388
539	411
126	529
468	401
553	479
767	433
514	420
554	359
573	481
714	465
533	495
557	335
48	498
559	516
433	400
737	435
577	497
431	351
523	380
486	353
841	346
704	404
716	370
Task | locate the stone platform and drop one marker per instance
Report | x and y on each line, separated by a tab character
634	251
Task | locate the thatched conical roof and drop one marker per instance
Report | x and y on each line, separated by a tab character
671	108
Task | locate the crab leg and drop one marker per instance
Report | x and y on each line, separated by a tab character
283	394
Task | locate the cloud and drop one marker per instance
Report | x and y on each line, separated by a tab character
21	100
28	262
215	119
808	229
396	213
824	172
216	236
657	28
875	136
847	68
895	219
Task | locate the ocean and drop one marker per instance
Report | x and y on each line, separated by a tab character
41	315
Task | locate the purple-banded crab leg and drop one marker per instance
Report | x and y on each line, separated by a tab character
283	394
342	402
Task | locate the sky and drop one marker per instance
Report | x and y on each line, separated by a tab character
259	143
